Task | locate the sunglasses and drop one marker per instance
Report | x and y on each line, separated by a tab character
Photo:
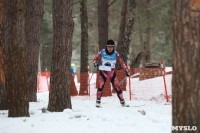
110	46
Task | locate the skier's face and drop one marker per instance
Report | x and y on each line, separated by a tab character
110	48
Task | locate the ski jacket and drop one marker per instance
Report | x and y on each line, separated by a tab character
110	60
73	69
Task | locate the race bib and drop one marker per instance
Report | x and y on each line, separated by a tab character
105	68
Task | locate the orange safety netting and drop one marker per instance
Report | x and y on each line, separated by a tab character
151	84
147	73
195	5
145	83
43	83
73	89
46	73
83	84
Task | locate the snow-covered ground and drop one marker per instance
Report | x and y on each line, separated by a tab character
148	112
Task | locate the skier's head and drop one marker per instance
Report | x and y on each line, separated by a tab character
110	46
72	65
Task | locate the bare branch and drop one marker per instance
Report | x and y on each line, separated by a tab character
76	2
111	3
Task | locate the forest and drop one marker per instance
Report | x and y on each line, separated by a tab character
50	35
155	17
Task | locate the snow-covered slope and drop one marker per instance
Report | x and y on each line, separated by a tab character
143	116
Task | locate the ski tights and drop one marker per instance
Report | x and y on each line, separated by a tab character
112	76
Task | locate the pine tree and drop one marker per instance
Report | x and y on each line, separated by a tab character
3	91
103	23
148	34
84	48
59	95
34	14
16	58
129	31
186	76
122	30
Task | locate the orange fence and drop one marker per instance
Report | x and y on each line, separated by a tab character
151	83
43	83
144	83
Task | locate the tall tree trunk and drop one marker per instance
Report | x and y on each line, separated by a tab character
102	27
135	62
3	91
34	14
129	31
148	33
122	30
186	58
63	25
103	23
16	58
84	48
141	43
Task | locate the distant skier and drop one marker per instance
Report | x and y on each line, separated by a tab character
108	57
73	69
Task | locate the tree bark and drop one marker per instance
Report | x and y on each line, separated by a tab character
135	63
186	58
148	33
59	95
3	97
34	14
103	23
122	25
129	31
3	91
84	48
16	57
122	30
143	61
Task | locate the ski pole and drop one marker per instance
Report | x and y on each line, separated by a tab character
90	78
122	81
92	75
89	82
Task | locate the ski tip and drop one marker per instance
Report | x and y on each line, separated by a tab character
125	105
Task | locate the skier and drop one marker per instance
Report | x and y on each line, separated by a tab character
73	69
108	57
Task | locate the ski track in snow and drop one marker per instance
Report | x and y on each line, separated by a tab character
86	118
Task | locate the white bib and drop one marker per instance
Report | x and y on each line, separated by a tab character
105	68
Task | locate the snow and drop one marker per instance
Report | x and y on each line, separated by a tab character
168	69
151	89
144	114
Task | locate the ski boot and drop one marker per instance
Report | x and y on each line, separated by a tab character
98	103
123	104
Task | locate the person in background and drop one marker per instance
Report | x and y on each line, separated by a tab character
109	56
73	69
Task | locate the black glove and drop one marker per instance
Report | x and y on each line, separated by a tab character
127	74
95	64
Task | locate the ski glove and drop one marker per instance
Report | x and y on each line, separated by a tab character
127	74
95	64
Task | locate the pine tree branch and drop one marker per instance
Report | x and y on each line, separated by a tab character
76	2
111	3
